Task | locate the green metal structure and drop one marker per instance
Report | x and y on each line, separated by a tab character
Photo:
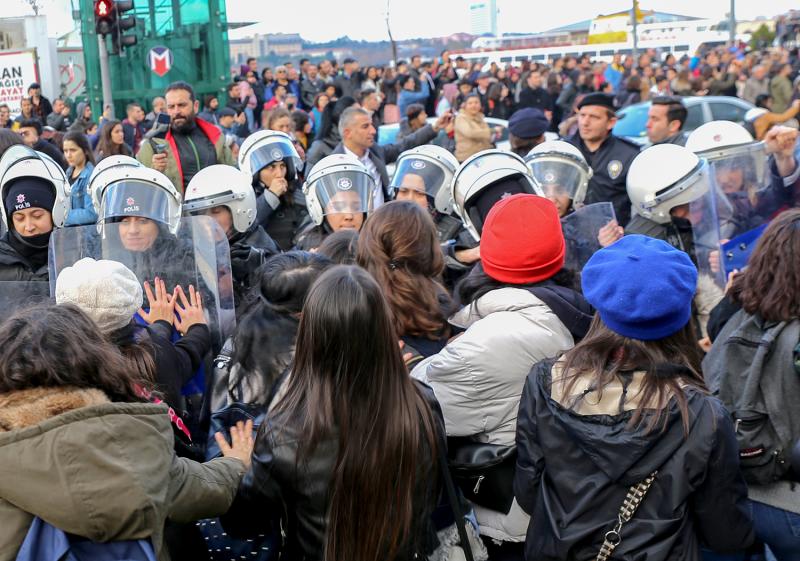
196	31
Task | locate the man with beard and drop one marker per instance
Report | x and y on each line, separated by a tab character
191	143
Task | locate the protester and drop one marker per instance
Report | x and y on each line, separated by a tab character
190	144
31	132
84	423
133	126
472	133
399	247
517	311
41	105
627	407
351	444
81	162
112	141
59	118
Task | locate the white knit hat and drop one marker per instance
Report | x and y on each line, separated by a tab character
107	291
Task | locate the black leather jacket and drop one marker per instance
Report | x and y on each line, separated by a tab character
574	470
276	486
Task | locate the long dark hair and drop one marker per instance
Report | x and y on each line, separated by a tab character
770	285
668	363
107	148
81	142
39	349
348	376
264	340
399	246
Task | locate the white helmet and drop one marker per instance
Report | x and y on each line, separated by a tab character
664	176
727	145
263	148
559	168
339	183
121	186
21	161
427	168
222	185
495	173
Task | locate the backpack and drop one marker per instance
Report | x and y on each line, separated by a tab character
751	369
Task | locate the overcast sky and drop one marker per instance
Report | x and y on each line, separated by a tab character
320	20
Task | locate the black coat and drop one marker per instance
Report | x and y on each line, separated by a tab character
275	483
538	98
249	250
574	470
15	267
284	221
610	164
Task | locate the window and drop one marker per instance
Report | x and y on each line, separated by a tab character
537	57
681	48
695	117
506	58
607	53
727	112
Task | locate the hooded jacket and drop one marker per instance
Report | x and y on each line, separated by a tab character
575	466
478	377
104	471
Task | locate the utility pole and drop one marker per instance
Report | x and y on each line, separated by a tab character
635	35
389	30
105	75
732	22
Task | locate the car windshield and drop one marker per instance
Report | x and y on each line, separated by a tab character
633	121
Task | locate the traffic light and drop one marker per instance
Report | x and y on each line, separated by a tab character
124	23
104	16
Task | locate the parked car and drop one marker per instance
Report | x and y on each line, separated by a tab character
632	123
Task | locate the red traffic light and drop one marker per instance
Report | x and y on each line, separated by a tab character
103	8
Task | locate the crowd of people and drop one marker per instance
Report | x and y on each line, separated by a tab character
249	331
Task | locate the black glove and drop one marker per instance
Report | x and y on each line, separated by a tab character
244	261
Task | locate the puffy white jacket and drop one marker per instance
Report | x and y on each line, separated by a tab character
478	377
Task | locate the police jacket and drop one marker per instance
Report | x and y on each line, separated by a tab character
14	266
280	219
610	163
277	482
249	250
593	458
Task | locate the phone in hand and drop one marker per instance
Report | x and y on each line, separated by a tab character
162	119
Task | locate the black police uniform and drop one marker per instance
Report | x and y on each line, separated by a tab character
610	164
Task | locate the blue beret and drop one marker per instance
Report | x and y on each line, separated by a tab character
528	123
641	287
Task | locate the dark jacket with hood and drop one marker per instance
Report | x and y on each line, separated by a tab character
576	463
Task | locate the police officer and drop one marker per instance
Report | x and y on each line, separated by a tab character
33	201
561	172
608	156
485	178
526	129
338	193
225	194
424	175
270	159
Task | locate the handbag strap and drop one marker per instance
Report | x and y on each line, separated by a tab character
453	499
632	501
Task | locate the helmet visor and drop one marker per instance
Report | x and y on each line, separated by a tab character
279	150
557	177
420	175
740	170
136	198
344	192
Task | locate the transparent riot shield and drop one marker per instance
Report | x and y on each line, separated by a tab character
581	229
753	201
16	295
198	255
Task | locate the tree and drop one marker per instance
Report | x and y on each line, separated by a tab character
761	37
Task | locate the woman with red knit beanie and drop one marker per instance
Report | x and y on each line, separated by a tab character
517	311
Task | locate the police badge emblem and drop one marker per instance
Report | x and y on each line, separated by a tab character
614	168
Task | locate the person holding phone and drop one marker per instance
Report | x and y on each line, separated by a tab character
191	143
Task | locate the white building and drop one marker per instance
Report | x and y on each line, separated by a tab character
483	17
